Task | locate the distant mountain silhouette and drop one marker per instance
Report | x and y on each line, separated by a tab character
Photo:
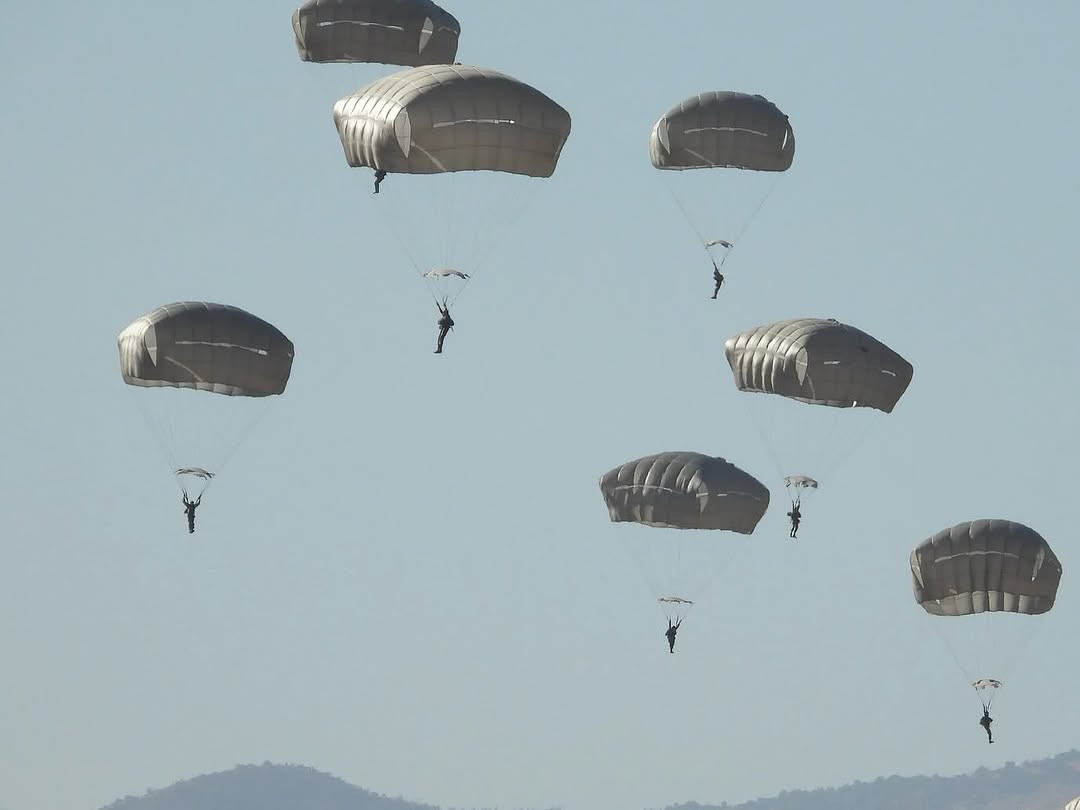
1040	785
264	787
1045	784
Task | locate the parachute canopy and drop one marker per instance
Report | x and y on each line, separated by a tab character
674	600
1074	804
195	472
443	272
987	683
821	362
397	32
723	130
985	566
206	347
452	118
800	482
684	490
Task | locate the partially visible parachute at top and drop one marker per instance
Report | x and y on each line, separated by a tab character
206	347
684	490
985	566
396	32
723	130
452	118
820	362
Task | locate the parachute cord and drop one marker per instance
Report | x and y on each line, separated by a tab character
161	430
689	221
703	587
752	216
858	439
388	225
448	217
738	234
744	403
948	645
649	582
691	590
1020	653
244	434
162	427
524	202
1004	676
826	438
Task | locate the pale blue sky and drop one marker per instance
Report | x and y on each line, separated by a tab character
407	576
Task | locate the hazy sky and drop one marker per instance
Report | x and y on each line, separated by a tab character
406	575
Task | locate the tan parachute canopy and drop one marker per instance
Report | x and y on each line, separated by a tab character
821	362
723	130
207	347
452	118
984	566
396	32
684	490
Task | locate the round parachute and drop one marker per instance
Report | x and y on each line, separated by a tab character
995	574
202	371
722	130
682	490
207	347
820	362
1074	804
453	144
452	118
396	32
985	566
814	361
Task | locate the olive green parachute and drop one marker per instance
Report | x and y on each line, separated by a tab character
396	32
205	347
452	118
684	490
985	566
820	362
723	130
